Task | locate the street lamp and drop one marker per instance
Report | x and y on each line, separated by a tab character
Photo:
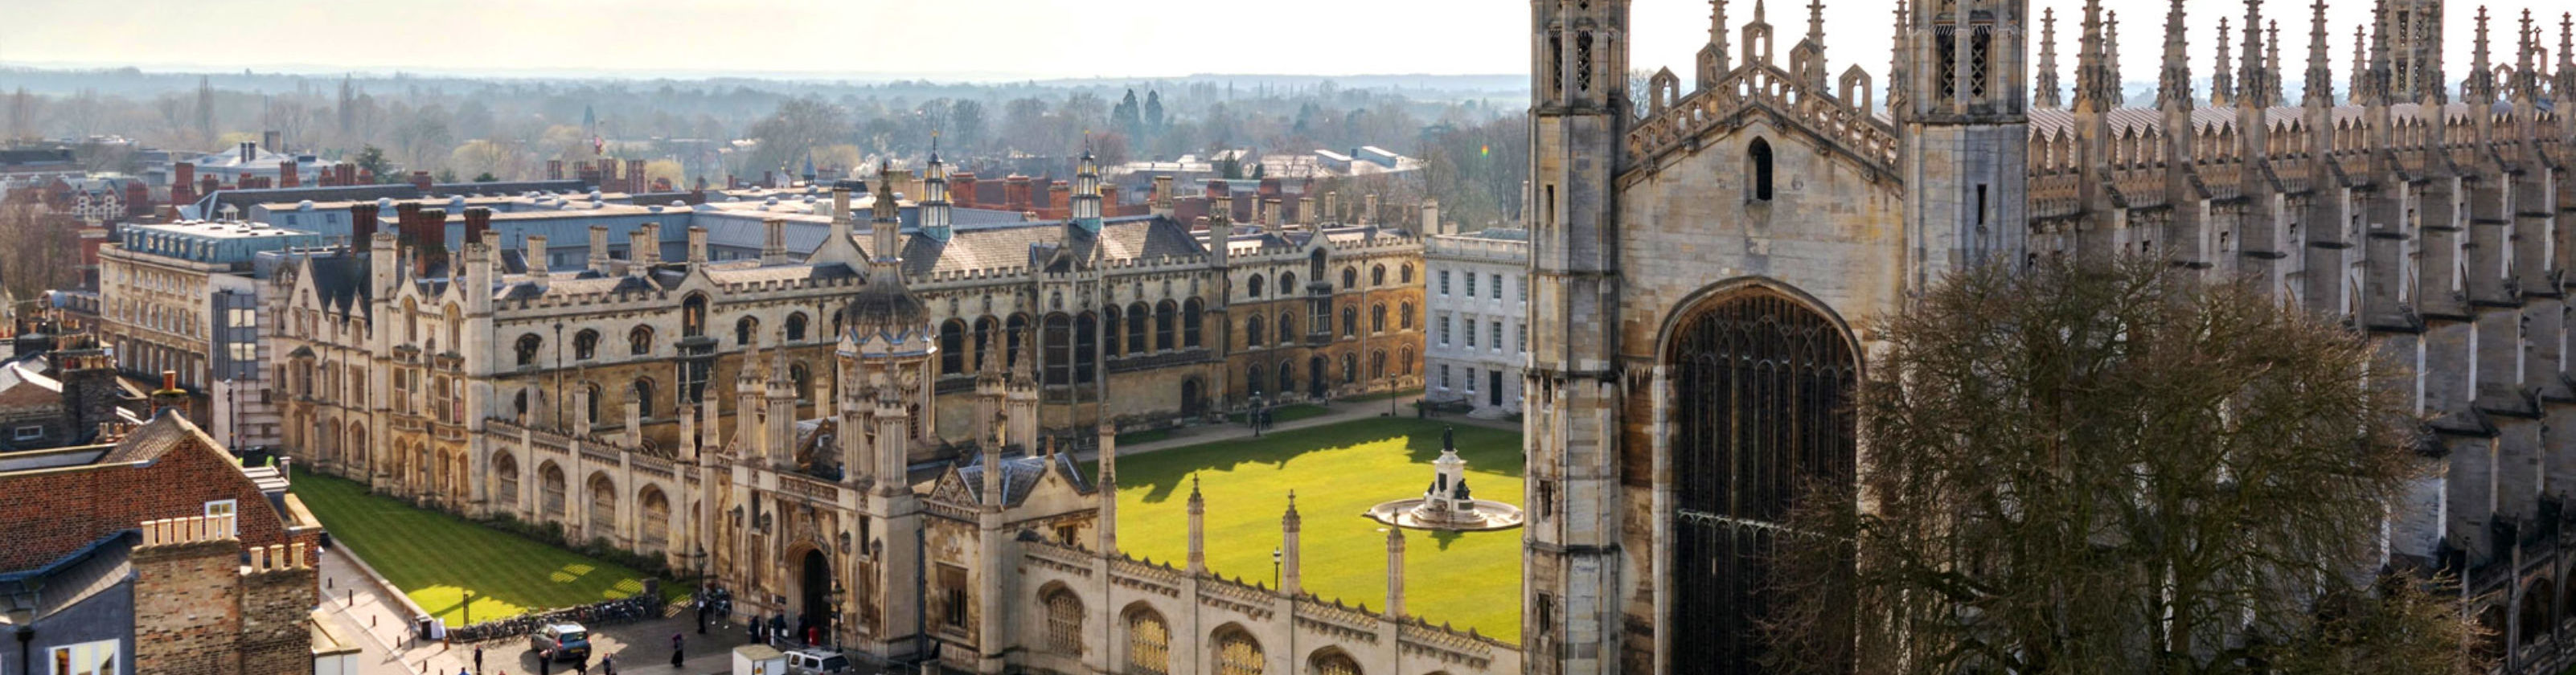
832	620
1276	555
469	607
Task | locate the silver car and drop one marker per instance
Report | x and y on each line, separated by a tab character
811	661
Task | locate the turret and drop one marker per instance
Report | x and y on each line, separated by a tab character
1198	529
2046	95
1289	525
1969	90
1086	192
936	220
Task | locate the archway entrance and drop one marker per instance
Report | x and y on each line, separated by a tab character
1190	404
817	587
1316	385
1762	390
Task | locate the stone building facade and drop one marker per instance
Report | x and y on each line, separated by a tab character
1737	232
1477	318
897	399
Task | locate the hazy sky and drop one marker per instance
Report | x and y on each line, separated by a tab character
1012	39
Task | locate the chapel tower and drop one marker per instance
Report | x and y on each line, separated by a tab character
1966	127
1578	124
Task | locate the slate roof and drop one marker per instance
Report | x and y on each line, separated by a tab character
1020	475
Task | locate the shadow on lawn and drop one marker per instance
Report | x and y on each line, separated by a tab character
1485	449
435	556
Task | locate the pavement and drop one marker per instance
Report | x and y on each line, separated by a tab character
1337	413
641	648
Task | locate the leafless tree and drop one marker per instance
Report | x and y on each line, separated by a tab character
2115	469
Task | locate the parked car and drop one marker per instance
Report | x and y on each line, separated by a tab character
564	641
811	661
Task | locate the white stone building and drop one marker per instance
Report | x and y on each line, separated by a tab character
1477	305
183	297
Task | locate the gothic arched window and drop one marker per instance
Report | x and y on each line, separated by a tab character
796	327
1758	159
527	349
640	341
585	344
1252	331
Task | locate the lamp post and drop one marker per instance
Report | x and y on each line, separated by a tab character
832	620
468	607
1276	555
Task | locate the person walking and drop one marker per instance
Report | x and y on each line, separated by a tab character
675	657
608	664
478	658
545	662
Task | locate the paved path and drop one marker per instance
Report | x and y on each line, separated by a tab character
377	623
1336	413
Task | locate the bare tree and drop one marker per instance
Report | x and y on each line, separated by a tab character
2114	469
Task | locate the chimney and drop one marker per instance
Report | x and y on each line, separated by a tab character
554	169
207	185
1306	211
362	224
961	189
1332	206
635	180
407	223
768	178
599	248
348	174
697	246
1060	198
477	221
644	247
1431	218
420	179
1015	194
1163	195
429	242
773	242
1368	209
273	140
287	176
183	183
170	397
534	252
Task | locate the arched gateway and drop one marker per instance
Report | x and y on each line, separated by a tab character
1762	392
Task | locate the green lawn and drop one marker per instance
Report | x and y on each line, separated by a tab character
435	557
1338	471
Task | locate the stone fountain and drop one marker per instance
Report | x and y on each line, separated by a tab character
1447	504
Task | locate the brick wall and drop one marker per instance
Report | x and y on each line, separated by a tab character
199	611
53	513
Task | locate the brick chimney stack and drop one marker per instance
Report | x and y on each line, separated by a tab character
249	151
554	169
348	173
635	180
420	179
362	225
183	183
961	189
207	185
477	221
287	176
1015	193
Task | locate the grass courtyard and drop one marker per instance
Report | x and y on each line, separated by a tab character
1467	579
435	557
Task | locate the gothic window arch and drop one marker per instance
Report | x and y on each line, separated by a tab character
1236	652
1166	315
640	340
1063	620
603	505
1757	169
1110	331
745	331
1252	286
550	491
1377	318
1287	283
1287	327
1404	315
1332	661
1137	315
644	397
1192	320
1377	275
1377	364
693	315
1404	361
1350	278
527	348
1351	321
1762	389
796	327
1404	274
505	479
1287	375
952	347
1149	642
590	413
1350	367
1252	331
1252	379
585	345
655	522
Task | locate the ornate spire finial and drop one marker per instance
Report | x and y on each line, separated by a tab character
2249	79
2111	57
2222	82
1816	22
1717	22
1758	14
2047	96
2318	89
2091	71
2173	83
2481	84
2271	62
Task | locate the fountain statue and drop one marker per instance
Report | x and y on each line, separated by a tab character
1448	504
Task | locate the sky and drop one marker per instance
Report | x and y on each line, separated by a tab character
985	40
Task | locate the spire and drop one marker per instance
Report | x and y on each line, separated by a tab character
1896	60
1198	529
2222	81
2250	85
1289	525
2524	82
1815	22
2047	95
2092	92
2111	59
2375	88
2481	85
2272	62
2173	83
1713	59
2318	85
2360	65
885	222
